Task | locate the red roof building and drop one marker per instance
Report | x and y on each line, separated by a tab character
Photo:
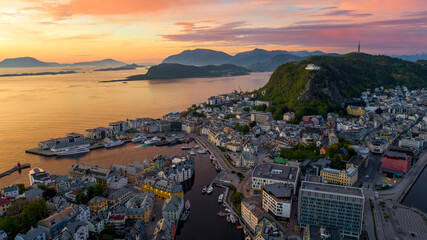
397	163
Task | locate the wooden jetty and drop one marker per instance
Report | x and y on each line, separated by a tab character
14	169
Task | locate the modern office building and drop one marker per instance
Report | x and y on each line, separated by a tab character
331	206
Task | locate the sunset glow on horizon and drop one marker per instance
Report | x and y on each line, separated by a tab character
148	31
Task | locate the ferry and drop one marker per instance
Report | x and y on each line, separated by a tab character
192	153
113	143
152	141
185	148
187	204
210	190
202	151
73	151
204	189
221	198
139	138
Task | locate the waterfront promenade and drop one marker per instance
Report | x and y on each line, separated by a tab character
392	219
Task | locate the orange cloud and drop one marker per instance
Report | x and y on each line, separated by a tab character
114	7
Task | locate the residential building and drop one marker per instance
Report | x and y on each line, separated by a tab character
39	176
173	207
181	169
357	162
276	198
165	229
119	197
289	116
245	159
11	191
98	204
32	234
53	224
33	193
397	163
96	224
261	117
268	230
119	127
144	202
251	214
116	221
77	230
83	212
266	173
312	67
98	133
4	205
100	175
343	177
331	206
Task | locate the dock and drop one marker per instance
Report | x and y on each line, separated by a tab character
14	169
41	152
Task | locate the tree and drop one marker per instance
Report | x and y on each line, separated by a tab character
42	186
49	193
98	189
21	188
245	129
81	198
237	198
33	212
10	224
90	192
246	109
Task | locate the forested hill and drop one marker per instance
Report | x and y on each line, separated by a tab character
340	78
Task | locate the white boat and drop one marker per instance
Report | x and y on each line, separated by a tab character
187	204
210	190
113	143
139	138
204	189
221	198
192	153
73	151
228	218
152	141
232	218
185	148
202	151
196	147
227	210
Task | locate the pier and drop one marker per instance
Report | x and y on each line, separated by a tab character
14	169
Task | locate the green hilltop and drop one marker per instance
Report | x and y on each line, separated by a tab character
340	78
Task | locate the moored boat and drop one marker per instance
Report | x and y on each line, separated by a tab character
196	147
73	151
152	141
139	138
204	189
113	143
187	204
210	189
185	148
192	153
221	198
202	151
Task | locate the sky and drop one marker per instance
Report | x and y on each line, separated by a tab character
150	30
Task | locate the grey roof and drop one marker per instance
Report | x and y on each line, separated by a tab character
329	188
322	162
279	190
97	199
32	234
276	172
315	233
11	189
135	211
98	218
36	192
117	194
72	228
174	204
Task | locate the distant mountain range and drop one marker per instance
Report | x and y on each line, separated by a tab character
177	71
24	62
257	60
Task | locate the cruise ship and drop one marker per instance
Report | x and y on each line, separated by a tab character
152	141
139	138
73	151
113	143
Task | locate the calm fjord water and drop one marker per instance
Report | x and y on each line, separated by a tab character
36	108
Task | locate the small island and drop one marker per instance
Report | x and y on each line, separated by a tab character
177	71
126	67
36	74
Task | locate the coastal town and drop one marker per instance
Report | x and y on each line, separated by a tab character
333	176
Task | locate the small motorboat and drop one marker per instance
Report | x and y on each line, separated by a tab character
204	189
187	204
210	190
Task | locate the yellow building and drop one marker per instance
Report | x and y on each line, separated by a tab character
346	177
162	188
251	214
355	111
98	204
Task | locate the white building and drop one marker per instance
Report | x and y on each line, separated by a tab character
173	208
312	67
277	199
39	176
77	230
12	191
